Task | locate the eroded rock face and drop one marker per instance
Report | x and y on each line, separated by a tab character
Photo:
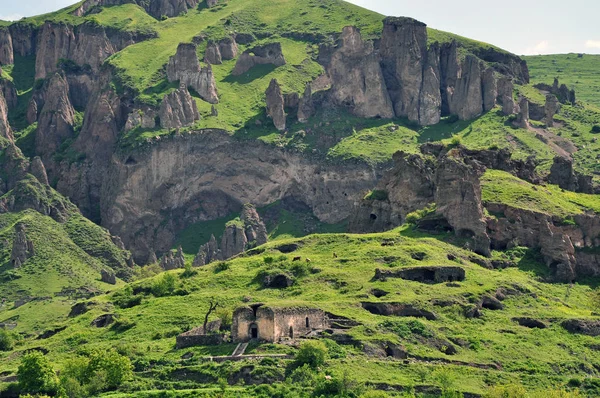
268	54
306	106
228	48
24	38
276	105
107	276
5	130
523	117
22	247
357	81
212	55
6	47
254	228
551	108
144	117
57	117
490	89
156	8
234	240
178	109
38	170
430	101
563	174
404	53
467	99
208	253
207	176
185	67
505	95
171	261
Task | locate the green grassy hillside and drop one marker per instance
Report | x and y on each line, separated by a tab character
578	72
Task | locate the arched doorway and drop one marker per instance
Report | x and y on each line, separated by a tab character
253	331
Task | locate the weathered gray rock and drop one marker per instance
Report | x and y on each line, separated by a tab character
357	80
403	51
523	117
145	117
157	8
22	249
38	170
276	105
185	67
563	174
228	48
490	89
505	95
588	327
208	253
24	38
450	72
268	54
9	91
5	129
6	47
551	108
467	99
211	3
178	109
172	261
306	106
255	229
108	276
234	240
212	55
458	199
57	117
430	101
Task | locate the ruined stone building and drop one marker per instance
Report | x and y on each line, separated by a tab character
259	322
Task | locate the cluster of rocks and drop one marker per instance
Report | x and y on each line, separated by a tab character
561	91
401	76
22	249
451	180
224	49
156	8
267	54
172	261
178	109
278	102
237	238
185	67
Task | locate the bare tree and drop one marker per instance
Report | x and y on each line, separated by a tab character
212	306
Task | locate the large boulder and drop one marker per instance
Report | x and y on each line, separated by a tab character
255	229
185	67
178	109
268	54
276	105
357	81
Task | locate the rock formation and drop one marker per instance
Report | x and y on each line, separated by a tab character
38	170
185	67
156	8
275	105
56	118
523	117
563	174
490	89
551	108
404	53
430	101
240	235
505	95
6	47
212	55
108	276
228	48
466	100
357	81
144	117
172	261
5	130
22	247
306	106
178	109
268	54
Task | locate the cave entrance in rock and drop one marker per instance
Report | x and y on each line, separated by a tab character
253	331
291	332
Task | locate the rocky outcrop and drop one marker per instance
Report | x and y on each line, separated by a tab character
185	67
430	101
228	48
268	54
306	106
551	108
156	8
523	116
208	253
56	119
240	235
403	50
212	55
276	105
171	261
5	130
563	174
6	47
9	91
466	100
178	109
38	170
87	44
22	249
505	95
108	276
458	199
357	81
490	89
143	117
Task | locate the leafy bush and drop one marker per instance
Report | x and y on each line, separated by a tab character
455	141
303	375
300	269
188	271
222	266
377	195
268	260
164	285
405	329
35	374
6	340
416	216
118	368
334	350
596	129
312	353
126	299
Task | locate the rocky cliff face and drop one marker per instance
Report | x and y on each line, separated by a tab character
276	105
5	130
6	47
178	109
156	8
22	248
356	78
210	175
185	68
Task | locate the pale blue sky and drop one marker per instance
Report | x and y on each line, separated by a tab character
520	26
